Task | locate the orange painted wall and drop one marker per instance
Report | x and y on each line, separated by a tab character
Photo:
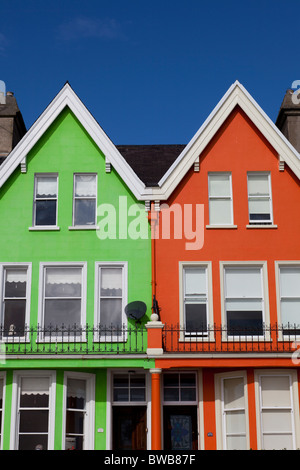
238	147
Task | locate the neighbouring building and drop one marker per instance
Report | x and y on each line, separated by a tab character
151	293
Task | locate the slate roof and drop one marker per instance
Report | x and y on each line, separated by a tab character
150	162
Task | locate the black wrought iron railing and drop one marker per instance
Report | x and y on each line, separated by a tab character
221	339
76	339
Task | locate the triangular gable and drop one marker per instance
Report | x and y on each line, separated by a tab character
237	95
67	97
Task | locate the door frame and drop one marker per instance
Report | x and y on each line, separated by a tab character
110	404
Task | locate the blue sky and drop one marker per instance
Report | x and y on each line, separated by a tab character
149	72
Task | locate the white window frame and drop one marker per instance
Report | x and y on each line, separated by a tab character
89	421
292	374
44	227
3	267
85	227
209	299
111	403
18	375
97	318
220	411
3	377
278	266
221	197
180	402
41	319
265	296
264	223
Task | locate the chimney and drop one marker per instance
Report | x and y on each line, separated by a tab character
12	127
288	119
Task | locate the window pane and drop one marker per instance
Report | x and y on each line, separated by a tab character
74	443
34	421
171	394
76	394
85	186
219	185
259	209
277	420
15	282
275	391
290	281
243	282
14	317
171	380
62	312
63	282
111	282
244	323
258	184
111	312
188	380
85	212
121	394
75	422
236	443
188	394
46	187
195	281
121	381
195	317
278	442
234	393
220	212
235	422
45	212
290	312
33	441
137	394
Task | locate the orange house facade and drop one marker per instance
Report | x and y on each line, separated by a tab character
226	279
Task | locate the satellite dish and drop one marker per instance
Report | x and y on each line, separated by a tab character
135	310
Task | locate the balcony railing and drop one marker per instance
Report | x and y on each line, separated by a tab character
78	340
219	339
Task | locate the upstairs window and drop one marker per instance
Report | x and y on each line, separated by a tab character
63	298
259	198
85	200
15	302
111	288
220	199
244	302
195	299
45	200
289	278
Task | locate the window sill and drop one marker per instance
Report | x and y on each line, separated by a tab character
261	226
43	228
84	227
221	226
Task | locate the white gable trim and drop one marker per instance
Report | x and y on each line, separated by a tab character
67	97
236	95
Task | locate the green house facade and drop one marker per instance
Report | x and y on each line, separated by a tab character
75	251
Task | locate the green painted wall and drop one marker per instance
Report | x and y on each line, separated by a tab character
65	149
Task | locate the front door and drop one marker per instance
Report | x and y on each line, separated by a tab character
129	428
180	428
